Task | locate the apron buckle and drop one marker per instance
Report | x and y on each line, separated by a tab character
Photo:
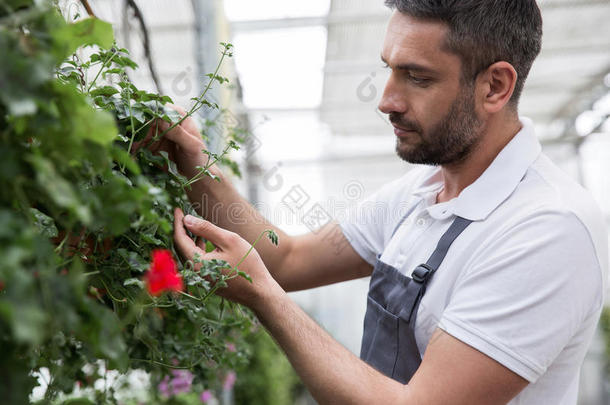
422	273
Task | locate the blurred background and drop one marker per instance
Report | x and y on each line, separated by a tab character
305	82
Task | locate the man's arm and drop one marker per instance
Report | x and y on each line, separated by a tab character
298	263
451	372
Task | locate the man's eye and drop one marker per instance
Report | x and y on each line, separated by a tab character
418	80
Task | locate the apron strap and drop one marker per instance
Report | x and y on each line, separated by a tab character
424	272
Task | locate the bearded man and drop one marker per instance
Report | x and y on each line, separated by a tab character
488	290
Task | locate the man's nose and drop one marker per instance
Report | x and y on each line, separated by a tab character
393	98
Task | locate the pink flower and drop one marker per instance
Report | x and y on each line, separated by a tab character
206	396
229	381
162	274
164	387
182	381
231	347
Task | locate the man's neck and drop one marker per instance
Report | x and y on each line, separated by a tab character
456	177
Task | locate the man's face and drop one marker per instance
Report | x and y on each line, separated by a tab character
431	109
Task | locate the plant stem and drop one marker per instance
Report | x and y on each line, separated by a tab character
110	294
189	295
133	133
199	103
199	175
59	247
101	69
234	270
251	247
167	365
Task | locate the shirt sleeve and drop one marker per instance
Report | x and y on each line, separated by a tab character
367	225
526	295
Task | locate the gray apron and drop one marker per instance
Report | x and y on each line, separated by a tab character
388	342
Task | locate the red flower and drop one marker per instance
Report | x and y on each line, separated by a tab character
162	274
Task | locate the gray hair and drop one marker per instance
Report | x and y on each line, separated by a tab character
483	32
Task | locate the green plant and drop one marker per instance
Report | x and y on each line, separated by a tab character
80	212
268	379
604	324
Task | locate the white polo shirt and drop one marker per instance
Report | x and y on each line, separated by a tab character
524	283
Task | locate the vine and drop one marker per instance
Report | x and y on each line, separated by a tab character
80	213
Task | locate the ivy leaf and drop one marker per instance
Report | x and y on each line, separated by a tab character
86	123
58	188
273	237
134	260
170	115
44	224
134	281
244	275
125	159
172	168
29	321
104	91
112	71
90	31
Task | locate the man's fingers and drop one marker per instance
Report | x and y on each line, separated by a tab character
219	237
183	138
189	123
179	109
183	242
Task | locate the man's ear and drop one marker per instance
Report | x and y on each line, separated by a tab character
496	85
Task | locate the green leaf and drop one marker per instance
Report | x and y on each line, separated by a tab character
244	275
90	31
111	343
209	246
172	168
170	115
44	223
28	326
97	126
58	188
134	260
134	281
104	91
125	159
273	237
86	122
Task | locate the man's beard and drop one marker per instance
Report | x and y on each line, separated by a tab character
449	141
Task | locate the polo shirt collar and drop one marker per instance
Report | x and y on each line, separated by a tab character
494	186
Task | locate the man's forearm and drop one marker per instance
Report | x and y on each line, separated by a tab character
332	374
221	204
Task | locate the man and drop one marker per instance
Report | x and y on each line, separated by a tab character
488	291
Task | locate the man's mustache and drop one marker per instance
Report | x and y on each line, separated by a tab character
399	121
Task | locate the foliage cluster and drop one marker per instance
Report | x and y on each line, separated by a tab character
80	212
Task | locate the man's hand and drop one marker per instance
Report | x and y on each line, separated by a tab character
183	144
229	247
